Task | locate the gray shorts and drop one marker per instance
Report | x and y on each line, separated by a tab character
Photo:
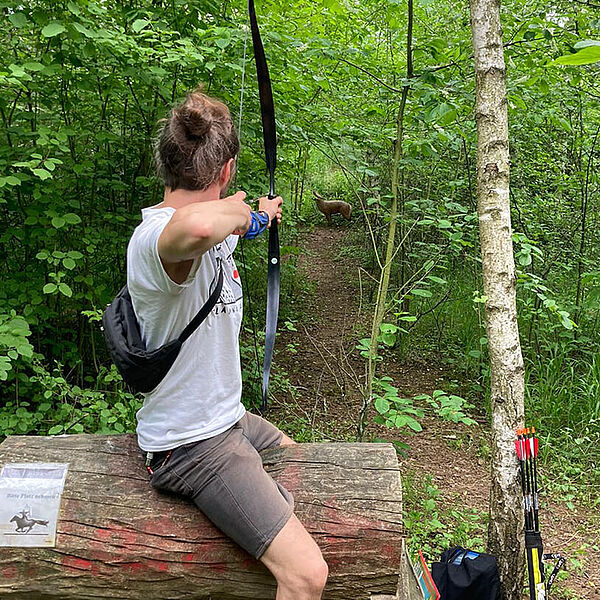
224	476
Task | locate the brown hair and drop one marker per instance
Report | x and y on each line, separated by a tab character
195	141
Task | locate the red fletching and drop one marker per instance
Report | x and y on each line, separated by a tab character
518	448
535	446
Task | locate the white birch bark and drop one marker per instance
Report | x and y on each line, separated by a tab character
505	531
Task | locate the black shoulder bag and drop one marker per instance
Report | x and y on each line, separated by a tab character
466	575
143	370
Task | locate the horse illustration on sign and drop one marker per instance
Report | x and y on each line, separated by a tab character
24	522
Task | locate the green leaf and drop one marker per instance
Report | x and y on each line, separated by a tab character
72	218
364	344
58	222
139	24
388	339
52	29
586	43
76	10
34	66
17	71
382	405
41	173
334	6
430	504
18	19
55	430
65	289
443	114
421	293
68	263
88	33
543	86
414	424
436	279
585	56
408	318
49	288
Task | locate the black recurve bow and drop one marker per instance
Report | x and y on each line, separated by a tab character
267	111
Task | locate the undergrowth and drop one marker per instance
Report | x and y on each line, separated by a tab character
562	384
433	527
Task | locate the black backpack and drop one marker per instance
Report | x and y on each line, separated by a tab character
466	575
142	370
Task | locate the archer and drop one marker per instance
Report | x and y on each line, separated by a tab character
198	438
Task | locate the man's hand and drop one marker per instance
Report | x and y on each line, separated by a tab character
271	207
236	202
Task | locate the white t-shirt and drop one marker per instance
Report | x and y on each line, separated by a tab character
200	395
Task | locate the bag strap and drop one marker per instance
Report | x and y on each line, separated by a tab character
205	310
457	551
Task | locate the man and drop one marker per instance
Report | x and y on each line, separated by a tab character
199	440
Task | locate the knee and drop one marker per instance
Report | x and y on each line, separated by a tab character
310	577
320	574
316	575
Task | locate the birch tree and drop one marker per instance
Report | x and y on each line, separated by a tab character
505	532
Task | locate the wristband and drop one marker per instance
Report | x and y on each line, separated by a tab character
258	223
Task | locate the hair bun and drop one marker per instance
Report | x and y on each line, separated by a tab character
196	122
195	142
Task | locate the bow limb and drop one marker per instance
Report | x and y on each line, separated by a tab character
267	111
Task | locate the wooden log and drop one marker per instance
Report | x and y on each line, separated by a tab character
118	538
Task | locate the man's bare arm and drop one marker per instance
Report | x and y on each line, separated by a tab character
197	227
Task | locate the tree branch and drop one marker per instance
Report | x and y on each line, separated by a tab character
383	83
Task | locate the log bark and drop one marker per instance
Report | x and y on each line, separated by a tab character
118	538
505	531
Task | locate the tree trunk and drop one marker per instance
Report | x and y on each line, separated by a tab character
390	252
119	538
505	532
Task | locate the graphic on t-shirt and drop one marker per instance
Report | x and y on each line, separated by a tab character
230	300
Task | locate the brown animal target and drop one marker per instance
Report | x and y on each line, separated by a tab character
332	207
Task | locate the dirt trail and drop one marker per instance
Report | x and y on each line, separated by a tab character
323	403
318	356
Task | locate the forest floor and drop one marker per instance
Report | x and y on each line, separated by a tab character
447	463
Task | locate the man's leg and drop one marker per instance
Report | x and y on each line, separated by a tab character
293	556
296	563
262	434
286	441
224	476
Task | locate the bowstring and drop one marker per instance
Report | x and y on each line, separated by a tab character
245	288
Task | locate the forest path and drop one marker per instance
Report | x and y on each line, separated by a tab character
326	373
